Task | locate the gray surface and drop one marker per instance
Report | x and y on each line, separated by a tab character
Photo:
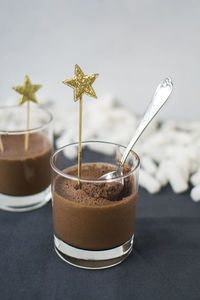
166	204
163	265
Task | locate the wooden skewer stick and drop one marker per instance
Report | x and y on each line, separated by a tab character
80	139
1	145
26	143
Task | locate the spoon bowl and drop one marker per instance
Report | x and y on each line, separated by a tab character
114	174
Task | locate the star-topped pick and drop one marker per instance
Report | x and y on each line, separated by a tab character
27	91
81	83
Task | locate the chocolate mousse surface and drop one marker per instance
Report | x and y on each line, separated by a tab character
93	216
25	172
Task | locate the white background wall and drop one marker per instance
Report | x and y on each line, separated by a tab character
133	44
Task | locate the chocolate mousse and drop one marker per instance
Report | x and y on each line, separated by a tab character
91	215
25	172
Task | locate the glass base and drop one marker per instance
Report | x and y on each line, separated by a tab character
91	259
24	203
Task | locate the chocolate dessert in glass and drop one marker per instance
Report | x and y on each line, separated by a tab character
93	218
25	174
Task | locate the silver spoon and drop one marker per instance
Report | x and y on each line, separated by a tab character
161	95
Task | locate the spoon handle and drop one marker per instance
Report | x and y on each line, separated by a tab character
161	95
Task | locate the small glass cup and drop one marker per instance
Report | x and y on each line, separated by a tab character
93	218
25	175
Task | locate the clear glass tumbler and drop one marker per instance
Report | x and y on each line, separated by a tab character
93	218
25	174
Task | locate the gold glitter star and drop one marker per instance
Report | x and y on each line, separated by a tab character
81	83
27	91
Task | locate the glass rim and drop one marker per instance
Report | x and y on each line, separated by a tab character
24	131
61	173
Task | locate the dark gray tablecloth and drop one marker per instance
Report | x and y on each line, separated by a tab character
165	262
